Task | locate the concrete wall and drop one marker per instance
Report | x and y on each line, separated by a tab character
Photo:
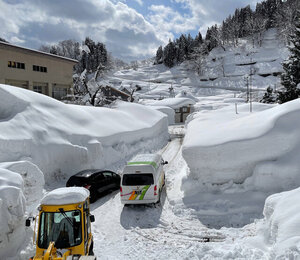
59	71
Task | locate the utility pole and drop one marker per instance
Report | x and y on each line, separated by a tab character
246	79
235	104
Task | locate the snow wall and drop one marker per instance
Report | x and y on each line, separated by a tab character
42	140
259	150
278	232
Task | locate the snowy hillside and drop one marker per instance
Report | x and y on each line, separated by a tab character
227	69
222	71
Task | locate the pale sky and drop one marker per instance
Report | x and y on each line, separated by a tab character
130	29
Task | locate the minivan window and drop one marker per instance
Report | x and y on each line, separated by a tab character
137	179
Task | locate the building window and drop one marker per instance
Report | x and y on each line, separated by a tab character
59	93
39	68
177	110
38	89
17	65
184	109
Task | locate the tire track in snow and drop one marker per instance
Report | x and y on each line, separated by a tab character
180	232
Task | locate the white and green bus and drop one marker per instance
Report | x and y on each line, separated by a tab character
143	179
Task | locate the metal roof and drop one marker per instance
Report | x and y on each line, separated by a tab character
37	52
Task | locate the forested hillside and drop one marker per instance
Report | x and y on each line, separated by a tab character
245	22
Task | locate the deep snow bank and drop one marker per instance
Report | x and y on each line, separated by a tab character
12	210
282	212
166	110
221	146
63	139
278	233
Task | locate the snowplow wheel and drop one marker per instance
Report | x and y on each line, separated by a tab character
91	252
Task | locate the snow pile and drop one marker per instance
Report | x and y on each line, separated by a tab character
282	213
63	139
63	196
260	149
12	210
166	110
174	103
33	179
278	233
185	94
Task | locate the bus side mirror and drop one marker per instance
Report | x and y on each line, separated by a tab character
27	222
92	218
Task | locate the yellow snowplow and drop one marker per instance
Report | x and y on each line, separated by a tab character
64	226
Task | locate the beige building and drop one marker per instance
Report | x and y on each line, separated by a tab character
38	71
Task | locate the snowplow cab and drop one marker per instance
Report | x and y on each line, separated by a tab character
64	228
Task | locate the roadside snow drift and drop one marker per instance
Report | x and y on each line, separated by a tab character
12	210
278	233
260	150
63	139
166	110
174	103
282	214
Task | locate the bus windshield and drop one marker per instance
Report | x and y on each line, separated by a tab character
63	228
137	179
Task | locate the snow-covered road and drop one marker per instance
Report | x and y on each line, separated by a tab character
153	232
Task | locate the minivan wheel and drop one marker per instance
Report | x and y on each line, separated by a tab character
159	194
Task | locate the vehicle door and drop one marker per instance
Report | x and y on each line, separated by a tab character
110	184
100	182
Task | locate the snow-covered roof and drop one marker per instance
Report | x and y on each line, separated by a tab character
184	94
142	159
62	196
173	102
38	52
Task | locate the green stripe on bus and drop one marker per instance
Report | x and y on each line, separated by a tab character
138	163
144	192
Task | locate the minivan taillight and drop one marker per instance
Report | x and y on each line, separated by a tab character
121	189
87	186
155	190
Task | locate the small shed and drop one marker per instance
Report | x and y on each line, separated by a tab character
182	107
112	94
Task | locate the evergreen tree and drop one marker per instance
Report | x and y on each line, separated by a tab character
169	54
290	78
269	96
159	55
198	40
212	37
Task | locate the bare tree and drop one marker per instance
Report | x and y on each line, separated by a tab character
198	58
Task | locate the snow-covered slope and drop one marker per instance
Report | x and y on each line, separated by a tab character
223	71
227	68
